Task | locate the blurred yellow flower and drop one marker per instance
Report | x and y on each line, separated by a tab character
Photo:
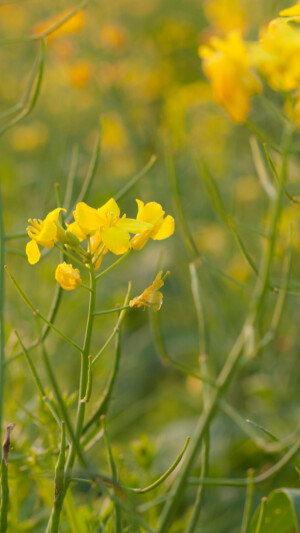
80	74
277	55
224	18
228	66
43	232
72	25
151	296
159	227
293	11
29	137
67	276
113	229
113	36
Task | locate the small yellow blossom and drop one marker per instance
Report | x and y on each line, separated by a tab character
67	276
114	231
161	228
277	55
80	74
42	232
227	64
151	296
113	36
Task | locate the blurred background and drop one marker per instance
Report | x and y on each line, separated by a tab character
135	65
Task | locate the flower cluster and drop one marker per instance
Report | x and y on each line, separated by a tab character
103	229
233	65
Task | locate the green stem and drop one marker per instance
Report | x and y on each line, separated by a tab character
248	502
114	473
165	476
116	263
4	497
2	310
135	179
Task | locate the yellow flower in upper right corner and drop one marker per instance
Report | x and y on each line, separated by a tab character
277	55
151	295
152	213
293	11
227	63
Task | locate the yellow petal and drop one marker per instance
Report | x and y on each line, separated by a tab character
54	215
138	242
48	234
292	11
150	212
116	240
132	225
33	252
76	229
111	207
166	229
87	217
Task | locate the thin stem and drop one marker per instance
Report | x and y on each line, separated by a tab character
37	313
91	171
136	178
2	310
165	476
116	328
35	87
115	310
104	400
261	515
116	263
60	23
248	502
71	178
114	473
38	382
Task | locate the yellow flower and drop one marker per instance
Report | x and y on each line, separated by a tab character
225	19
162	228
80	74
277	55
67	276
43	232
114	231
228	66
151	296
293	11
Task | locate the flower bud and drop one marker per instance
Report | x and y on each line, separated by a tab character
72	239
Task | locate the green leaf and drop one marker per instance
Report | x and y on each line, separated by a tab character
281	513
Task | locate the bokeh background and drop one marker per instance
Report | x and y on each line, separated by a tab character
135	65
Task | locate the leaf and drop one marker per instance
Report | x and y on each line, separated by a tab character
281	513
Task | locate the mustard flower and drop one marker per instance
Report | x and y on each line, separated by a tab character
227	64
161	228
67	276
114	230
151	296
277	55
42	232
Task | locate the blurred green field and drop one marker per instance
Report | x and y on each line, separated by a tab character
135	67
